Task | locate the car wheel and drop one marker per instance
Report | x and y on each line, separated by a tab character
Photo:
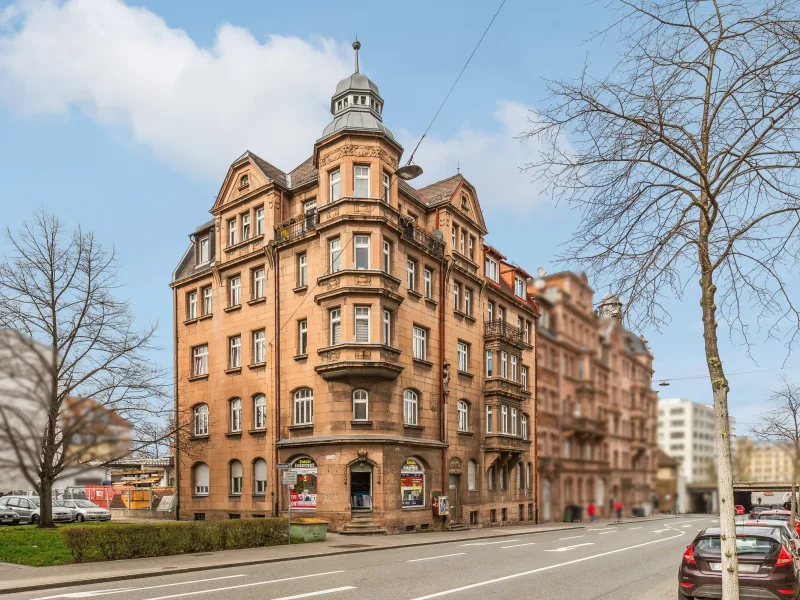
35	519
682	597
79	518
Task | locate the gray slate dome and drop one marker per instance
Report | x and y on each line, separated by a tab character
356	82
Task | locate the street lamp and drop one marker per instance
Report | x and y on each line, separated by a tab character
409	172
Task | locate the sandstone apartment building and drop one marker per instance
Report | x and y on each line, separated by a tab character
597	412
335	319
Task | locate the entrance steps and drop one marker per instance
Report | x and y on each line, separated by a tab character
459	527
362	525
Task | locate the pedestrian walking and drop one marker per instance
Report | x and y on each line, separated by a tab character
590	510
618	510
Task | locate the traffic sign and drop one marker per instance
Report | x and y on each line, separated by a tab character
289	478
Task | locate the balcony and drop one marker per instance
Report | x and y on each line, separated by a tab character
496	386
504	443
349	282
296	228
422	239
343	361
465	265
500	330
585	426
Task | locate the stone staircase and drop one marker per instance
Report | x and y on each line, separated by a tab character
458	526
362	525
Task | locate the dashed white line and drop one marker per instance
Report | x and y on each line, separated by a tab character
434	557
319	593
572	537
244	585
92	593
605	532
632	528
518	545
488	543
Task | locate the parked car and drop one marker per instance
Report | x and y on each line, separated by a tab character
768	566
739	509
759	509
790	532
83	510
8	517
779	515
27	507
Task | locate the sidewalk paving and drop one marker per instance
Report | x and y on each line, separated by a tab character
18	578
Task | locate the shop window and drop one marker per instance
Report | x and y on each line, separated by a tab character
412	484
303	495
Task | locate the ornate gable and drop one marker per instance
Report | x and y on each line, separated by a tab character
247	174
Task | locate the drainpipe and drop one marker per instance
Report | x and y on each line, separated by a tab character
442	413
536	422
276	495
177	414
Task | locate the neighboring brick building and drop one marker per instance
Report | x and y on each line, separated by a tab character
376	288
597	422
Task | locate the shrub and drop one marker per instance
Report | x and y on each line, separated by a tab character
115	542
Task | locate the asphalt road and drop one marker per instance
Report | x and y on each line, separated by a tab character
626	561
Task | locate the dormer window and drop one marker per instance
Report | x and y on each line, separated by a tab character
519	287
492	271
344	102
464	204
202	250
244	181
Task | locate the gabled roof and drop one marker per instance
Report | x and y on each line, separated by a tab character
411	192
270	171
304	173
441	191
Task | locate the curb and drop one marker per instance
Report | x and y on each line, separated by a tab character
245	563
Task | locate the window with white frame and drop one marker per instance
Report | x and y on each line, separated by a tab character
360	405
260	477
456	296
334	255
303	407
513	368
463	357
192	306
468	301
504	419
362	324
529	475
454	236
524	425
201	419
258	284
463	416
524	378
492	272
428	283
231	232
302	270
490	311
235	352
385	181
200	474
489	415
503	365
361	181
489	363
513	421
387	327
335	319
420	343
236	478
203	246
527	332
412	275
302	337
387	256
410	407
501	314
334	186
260	221
490	478
200	360
519	287
207	299
472	248
259	347
236	415
462	243
234	290
245	227
361	251
260	411
472	475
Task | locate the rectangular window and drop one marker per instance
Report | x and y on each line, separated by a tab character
580	369
420	343
232	232
488	419
513	368
302	337
490	312
463	357
387	257
456	296
503	365
410	408
202	251
258	283
259	221
192	305
468	301
492	270
519	287
454	236
207	300
361	181
501	314
386	187
235	289
412	281
489	363
472	248
387	327
504	419
527	330
200	360
245	227
360	406
462	243
524	423
302	270
334	189
259	347
524	380
335	317
362	324
513	421
334	256
361	252
235	354
428	281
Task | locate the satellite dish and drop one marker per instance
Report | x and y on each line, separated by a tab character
409	172
438	235
540	272
539	283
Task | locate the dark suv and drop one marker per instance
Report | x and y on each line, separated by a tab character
768	565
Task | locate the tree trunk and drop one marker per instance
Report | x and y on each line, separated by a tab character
46	504
794	487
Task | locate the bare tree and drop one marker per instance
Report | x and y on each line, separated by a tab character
683	163
782	426
70	354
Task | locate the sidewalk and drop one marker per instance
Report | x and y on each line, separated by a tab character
17	578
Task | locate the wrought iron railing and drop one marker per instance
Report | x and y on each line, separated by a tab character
296	227
503	330
428	242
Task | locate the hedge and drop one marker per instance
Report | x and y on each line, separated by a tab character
115	542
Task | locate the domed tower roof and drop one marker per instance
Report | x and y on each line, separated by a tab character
610	306
356	105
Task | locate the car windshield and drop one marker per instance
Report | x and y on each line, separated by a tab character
776	517
746	544
84	504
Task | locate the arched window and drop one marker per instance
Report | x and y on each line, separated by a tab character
410	407
236	414
463	416
524	426
472	475
490	478
236	478
260	477
303	407
244	181
360	405
201	478
412	484
259	411
201	419
529	476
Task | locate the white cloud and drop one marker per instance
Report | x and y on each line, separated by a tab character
196	108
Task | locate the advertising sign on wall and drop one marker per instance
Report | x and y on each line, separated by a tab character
412	484
304	493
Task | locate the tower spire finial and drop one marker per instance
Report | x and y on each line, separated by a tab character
356	47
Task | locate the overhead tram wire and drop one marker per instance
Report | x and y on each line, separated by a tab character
670	379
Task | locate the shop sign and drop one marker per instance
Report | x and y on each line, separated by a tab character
412	484
303	494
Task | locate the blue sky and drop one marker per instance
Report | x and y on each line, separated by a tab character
124	118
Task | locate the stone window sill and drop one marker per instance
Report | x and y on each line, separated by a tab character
466	374
415	427
414	294
199	495
431	301
204	317
190	321
232	434
468	433
464	315
236	307
300	288
235	497
233	371
260	365
255	301
257	431
259	497
415	508
360	423
301	427
198	377
199	437
300	357
423	362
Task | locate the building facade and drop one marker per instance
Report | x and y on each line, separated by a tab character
765	462
339	321
596	406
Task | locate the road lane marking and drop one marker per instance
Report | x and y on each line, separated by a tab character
540	569
565	548
572	537
632	528
433	557
518	545
489	543
91	593
685	526
605	532
244	585
598	528
319	593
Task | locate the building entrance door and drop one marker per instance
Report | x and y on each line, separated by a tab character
361	487
454	497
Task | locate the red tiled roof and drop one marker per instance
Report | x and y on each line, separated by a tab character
441	191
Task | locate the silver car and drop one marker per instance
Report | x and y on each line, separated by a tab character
27	507
83	510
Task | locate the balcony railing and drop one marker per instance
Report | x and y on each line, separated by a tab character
501	329
296	227
428	242
584	425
